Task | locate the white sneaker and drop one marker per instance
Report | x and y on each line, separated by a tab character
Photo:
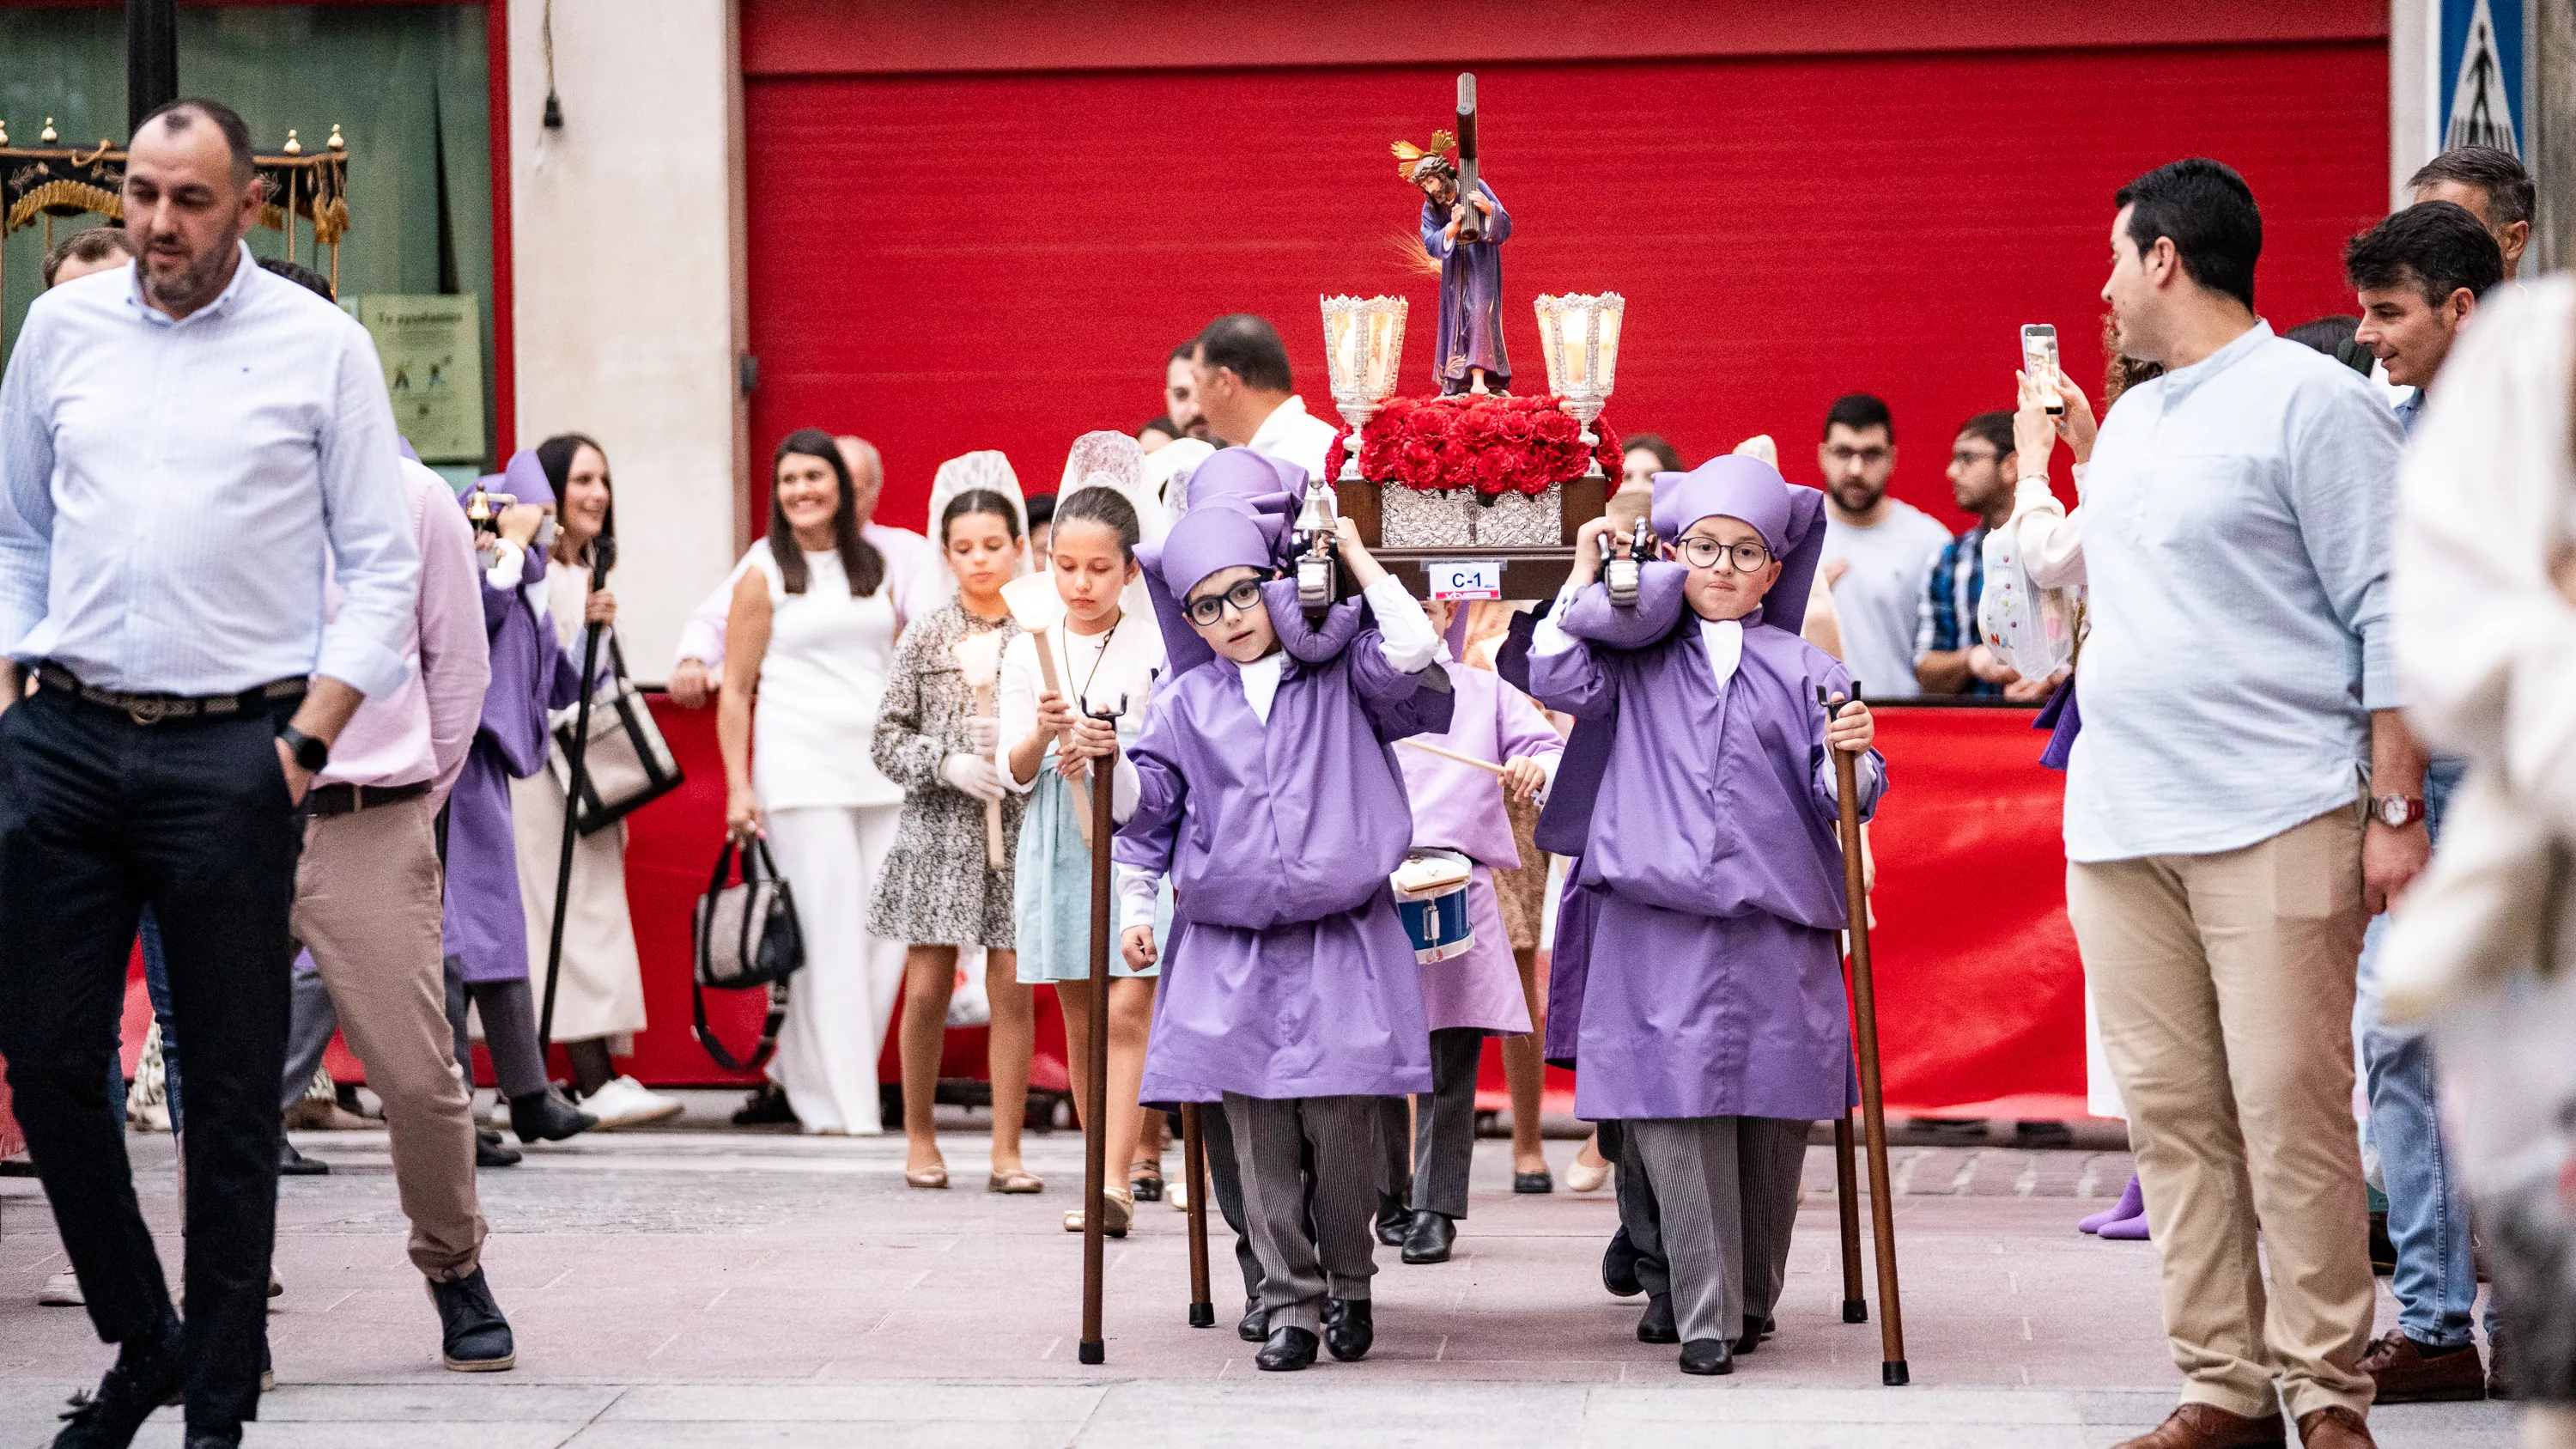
625	1102
62	1290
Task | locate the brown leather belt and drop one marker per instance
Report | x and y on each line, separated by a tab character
146	709
350	799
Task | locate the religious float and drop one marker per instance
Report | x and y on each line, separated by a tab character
1474	492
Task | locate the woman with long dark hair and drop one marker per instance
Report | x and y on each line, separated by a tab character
812	628
599	997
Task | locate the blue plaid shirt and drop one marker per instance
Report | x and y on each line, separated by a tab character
1947	617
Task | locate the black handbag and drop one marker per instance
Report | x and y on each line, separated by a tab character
628	766
747	938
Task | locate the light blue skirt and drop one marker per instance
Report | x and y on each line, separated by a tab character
1051	885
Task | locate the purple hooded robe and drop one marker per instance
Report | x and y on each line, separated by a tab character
1288	973
485	924
1712	976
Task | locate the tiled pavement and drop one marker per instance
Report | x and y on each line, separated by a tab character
697	1289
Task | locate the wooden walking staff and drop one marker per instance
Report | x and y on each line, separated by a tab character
1095	1121
1194	1167
1873	1102
979	658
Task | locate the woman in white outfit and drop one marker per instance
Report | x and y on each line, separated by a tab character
599	996
812	626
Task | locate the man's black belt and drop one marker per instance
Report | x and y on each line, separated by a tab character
350	799
146	709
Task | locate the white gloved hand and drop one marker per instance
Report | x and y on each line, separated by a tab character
984	732
972	775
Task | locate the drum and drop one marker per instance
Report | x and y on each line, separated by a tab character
1431	895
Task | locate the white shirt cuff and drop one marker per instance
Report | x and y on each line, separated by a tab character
1547	638
1138	892
1126	787
509	565
1405	635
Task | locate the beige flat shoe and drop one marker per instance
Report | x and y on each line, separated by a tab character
1177	1193
935	1175
1017	1180
1117	1214
1581	1176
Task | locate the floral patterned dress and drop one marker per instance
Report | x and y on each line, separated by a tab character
936	888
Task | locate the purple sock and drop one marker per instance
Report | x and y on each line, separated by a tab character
2130	1205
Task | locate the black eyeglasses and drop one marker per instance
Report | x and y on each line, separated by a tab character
1704	553
1243	598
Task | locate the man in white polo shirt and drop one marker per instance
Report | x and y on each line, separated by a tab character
1248	397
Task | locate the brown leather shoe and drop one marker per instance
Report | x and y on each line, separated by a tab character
2206	1426
2407	1375
2335	1428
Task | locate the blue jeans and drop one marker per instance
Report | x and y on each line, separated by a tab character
156	983
2436	1283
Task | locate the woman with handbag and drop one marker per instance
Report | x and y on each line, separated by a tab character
599	993
948	883
812	629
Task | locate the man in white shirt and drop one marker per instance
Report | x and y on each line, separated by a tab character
2239	705
183	444
1878	551
699	670
1246	394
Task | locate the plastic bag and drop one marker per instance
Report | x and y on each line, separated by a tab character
2031	627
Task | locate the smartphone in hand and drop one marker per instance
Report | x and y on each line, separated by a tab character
2039	361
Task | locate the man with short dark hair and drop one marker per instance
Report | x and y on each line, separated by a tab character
1181	392
2419	276
2239	714
95	249
1878	551
166	512
2494	188
1948	659
1244	391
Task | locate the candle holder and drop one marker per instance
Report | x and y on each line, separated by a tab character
1363	341
1580	337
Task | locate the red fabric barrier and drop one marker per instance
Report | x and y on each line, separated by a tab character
1980	992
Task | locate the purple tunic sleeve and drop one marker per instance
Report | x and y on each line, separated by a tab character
1521	729
1146	841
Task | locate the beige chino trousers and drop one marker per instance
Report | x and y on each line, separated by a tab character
2224	985
367	907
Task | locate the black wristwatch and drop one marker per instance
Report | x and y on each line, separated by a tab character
310	753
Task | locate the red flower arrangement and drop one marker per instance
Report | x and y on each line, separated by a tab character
1491	443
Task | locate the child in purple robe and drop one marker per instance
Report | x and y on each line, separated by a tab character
1712	1020
1477	994
1265	787
485	918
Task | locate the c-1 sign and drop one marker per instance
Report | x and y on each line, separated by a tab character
1460	579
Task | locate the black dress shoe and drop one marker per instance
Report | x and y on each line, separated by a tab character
1752	1339
1348	1328
1394	1220
1539	1181
1619	1266
214	1439
546	1117
147	1374
1656	1324
495	1153
1707	1356
291	1163
473	1336
1146	1189
1428	1240
1255	1327
764	1106
1288	1350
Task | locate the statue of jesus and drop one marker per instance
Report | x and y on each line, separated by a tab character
1467	353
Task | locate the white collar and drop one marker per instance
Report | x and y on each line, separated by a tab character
1724	641
1282	418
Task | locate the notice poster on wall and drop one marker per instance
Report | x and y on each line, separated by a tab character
432	350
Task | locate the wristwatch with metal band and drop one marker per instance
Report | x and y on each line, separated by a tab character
2397	811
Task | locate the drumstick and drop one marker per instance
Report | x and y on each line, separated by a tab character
1487	766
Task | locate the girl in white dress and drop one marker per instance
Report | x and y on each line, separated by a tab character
813	629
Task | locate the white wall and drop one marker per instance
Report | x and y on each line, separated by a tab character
626	263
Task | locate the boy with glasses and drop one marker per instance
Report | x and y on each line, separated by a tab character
1265	787
1712	1025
